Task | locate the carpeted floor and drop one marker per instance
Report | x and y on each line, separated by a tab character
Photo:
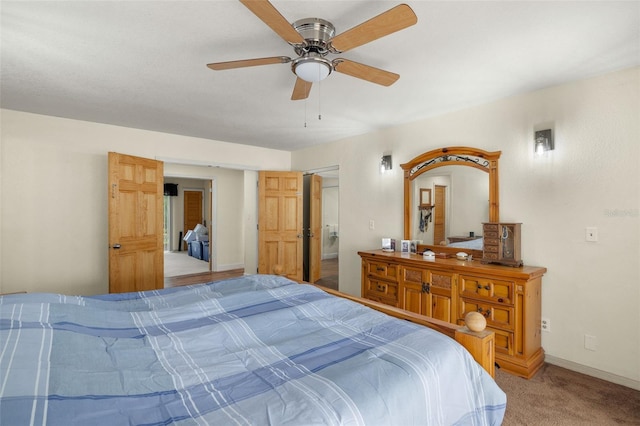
178	263
559	397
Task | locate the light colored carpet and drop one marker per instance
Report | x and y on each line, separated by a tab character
177	263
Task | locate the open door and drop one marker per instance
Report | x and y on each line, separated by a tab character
315	228
280	224
439	215
136	257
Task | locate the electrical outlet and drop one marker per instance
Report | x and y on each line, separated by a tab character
545	325
590	342
591	234
372	224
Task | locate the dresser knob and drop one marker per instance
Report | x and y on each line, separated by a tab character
501	300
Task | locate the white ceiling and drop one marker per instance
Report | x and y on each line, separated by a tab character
142	64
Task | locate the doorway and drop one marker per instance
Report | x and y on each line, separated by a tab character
190	206
330	229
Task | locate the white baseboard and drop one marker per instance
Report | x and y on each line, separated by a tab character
230	267
593	372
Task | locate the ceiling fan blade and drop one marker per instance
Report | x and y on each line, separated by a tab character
395	19
365	72
270	16
219	66
301	90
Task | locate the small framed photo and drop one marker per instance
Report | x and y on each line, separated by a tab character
425	197
405	246
388	244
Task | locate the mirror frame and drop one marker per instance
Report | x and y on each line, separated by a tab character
451	156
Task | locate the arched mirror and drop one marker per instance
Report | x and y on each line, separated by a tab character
448	194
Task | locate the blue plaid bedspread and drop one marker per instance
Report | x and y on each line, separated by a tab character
254	350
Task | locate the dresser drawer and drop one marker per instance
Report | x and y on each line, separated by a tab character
497	316
382	270
491	242
488	289
488	248
504	341
376	289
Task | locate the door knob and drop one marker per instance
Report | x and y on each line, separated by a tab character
116	246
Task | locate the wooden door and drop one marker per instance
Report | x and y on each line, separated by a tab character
192	211
280	224
439	217
315	228
136	257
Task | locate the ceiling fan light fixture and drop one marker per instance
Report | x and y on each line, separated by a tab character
312	68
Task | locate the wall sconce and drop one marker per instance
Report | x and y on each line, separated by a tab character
385	164
543	141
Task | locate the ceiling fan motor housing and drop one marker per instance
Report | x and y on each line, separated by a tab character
316	32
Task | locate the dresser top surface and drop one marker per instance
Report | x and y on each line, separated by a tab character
452	263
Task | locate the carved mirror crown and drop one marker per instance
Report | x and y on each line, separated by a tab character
451	156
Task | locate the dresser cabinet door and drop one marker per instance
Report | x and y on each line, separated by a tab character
413	294
428	292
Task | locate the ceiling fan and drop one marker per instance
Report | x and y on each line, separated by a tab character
314	38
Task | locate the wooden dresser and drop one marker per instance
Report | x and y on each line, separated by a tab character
447	289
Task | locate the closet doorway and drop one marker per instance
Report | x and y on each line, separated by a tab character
329	227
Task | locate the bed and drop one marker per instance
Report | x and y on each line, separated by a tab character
254	350
475	244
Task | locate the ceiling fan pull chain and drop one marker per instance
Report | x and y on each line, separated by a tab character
305	112
319	104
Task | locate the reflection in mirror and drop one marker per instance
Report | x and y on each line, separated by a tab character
464	194
462	207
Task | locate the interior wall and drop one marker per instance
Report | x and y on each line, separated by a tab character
592	178
54	195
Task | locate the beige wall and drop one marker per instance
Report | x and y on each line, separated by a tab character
592	178
54	195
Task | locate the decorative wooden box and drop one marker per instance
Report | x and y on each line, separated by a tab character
502	244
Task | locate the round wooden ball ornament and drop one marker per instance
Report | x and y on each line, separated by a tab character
475	321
